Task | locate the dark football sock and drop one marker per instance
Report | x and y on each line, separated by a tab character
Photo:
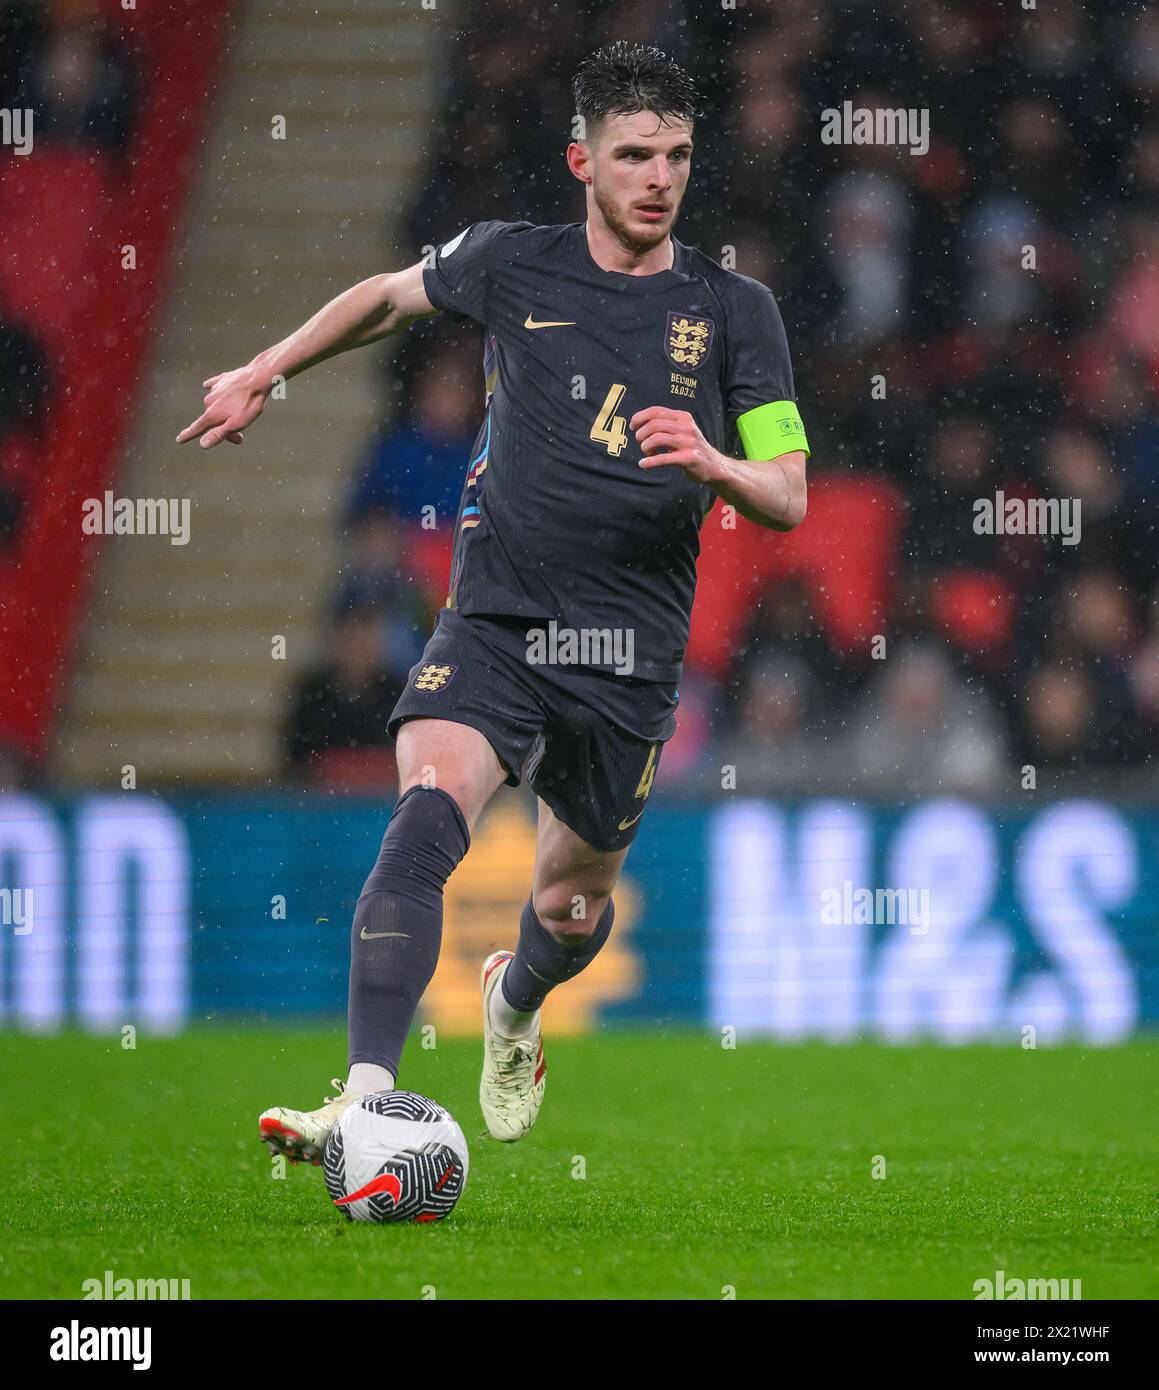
541	962
398	923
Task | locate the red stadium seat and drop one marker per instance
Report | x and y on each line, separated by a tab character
844	550
973	609
54	207
428	559
355	770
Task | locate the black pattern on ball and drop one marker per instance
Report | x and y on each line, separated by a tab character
334	1167
403	1105
430	1180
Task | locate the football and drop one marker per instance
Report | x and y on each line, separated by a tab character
395	1156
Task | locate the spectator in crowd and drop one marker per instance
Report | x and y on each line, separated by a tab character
1060	724
80	86
922	729
1117	522
419	462
867	228
375	579
784	628
779	745
336	731
1094	633
971	575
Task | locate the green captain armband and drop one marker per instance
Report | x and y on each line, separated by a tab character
772	430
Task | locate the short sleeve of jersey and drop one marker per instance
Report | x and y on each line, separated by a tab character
757	365
457	282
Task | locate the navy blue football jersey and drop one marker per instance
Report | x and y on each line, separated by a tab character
557	521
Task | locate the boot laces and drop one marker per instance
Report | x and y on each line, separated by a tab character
515	1069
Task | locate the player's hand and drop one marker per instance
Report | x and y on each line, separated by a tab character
676	433
234	401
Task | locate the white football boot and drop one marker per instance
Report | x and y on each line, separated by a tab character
301	1134
514	1073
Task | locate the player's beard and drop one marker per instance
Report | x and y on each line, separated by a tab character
630	240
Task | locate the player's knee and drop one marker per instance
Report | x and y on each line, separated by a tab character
425	840
568	913
457	787
455	759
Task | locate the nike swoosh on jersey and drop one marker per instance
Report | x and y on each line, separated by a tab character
627	824
374	935
529	322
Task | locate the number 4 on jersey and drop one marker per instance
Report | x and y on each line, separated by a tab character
611	429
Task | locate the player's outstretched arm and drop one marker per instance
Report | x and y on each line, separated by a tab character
374	309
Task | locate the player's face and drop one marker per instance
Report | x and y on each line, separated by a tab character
639	168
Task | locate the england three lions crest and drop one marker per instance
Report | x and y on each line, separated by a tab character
687	341
432	677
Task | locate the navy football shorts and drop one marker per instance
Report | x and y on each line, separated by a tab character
591	740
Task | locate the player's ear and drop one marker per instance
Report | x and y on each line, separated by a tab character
579	159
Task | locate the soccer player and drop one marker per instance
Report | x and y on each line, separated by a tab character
620	366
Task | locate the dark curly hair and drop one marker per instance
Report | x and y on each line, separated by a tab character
628	77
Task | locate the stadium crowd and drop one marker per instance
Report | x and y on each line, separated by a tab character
61	62
1003	289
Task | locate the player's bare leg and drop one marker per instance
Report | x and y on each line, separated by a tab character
447	774
564	925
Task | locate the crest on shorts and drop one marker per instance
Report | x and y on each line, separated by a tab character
433	677
687	341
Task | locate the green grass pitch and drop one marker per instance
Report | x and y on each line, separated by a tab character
705	1169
